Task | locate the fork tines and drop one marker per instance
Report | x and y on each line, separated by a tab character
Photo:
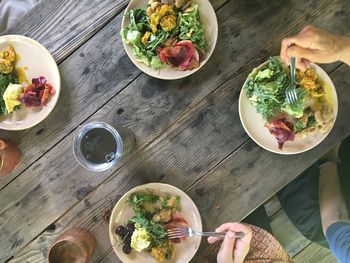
178	232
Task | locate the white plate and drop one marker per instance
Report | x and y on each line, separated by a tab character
39	63
209	20
122	213
253	122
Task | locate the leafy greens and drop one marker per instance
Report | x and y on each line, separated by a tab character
266	91
5	80
144	219
146	42
191	28
132	34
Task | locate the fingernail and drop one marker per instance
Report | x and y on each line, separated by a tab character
230	234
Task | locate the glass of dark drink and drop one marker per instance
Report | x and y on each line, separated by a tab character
98	146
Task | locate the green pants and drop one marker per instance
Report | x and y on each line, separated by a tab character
300	198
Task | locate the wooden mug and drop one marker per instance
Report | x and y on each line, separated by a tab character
9	157
73	245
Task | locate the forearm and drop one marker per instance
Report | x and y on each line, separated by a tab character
332	203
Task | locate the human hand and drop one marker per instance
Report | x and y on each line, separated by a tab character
315	45
233	250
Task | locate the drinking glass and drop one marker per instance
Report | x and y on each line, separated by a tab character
98	146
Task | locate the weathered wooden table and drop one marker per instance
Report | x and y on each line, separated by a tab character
188	131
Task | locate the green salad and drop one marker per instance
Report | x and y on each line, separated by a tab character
266	91
146	230
5	81
166	32
266	88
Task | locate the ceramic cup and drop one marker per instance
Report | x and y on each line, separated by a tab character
75	245
9	157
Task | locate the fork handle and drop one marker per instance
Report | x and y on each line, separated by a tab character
292	69
218	234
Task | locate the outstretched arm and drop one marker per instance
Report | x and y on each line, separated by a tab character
334	214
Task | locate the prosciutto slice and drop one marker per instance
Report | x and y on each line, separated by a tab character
183	55
282	130
177	221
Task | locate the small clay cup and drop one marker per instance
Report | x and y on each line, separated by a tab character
9	157
75	245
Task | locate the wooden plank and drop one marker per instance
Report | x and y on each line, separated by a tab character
72	178
63	26
90	77
287	234
251	175
89	212
94	84
315	254
36	146
93	75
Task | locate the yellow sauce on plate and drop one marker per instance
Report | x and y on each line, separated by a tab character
21	74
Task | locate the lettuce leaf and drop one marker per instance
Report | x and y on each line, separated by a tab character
132	35
5	80
266	91
296	109
191	28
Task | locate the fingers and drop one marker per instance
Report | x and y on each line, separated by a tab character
302	64
226	251
283	53
305	39
233	227
247	233
212	240
230	226
300	52
300	40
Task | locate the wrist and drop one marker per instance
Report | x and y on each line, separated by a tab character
344	54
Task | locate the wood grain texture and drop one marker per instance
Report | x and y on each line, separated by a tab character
94	74
73	178
182	170
97	71
89	212
63	26
315	254
75	88
251	175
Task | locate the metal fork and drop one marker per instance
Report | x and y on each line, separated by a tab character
181	232
291	93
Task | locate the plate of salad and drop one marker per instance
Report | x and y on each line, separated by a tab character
279	126
169	39
138	224
29	82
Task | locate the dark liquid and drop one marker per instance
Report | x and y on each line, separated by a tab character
97	145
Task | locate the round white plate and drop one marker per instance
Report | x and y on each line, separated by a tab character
122	213
209	20
253	122
39	62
